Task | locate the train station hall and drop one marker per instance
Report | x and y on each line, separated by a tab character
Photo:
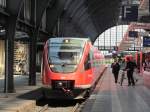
74	55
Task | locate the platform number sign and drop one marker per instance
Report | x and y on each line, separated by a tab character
130	13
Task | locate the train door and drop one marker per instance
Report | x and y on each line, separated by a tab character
88	69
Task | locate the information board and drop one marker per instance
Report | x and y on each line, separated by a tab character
146	41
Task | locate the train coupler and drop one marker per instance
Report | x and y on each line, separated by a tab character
67	91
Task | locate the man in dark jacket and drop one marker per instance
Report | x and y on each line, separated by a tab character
130	66
115	70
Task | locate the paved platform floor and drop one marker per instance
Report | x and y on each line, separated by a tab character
111	97
24	99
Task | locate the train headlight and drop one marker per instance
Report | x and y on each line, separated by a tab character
60	84
66	41
51	66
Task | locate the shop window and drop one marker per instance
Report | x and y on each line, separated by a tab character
21	59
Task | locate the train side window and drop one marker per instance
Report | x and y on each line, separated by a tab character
87	64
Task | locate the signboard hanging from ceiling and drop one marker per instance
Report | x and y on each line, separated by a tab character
130	13
146	41
133	34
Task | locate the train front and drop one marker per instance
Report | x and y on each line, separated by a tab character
61	74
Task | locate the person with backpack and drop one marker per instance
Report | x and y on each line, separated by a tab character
130	66
115	69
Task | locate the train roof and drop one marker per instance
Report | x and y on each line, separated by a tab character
75	38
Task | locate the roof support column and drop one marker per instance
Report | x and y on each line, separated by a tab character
38	7
53	12
32	63
9	54
13	7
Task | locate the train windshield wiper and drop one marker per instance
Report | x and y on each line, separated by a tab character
63	64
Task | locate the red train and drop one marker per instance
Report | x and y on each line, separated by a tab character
70	67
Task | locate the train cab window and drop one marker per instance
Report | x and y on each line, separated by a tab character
64	57
87	64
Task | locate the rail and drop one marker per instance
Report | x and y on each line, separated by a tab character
45	107
75	107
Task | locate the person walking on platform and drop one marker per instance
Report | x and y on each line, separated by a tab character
115	70
123	64
122	68
130	66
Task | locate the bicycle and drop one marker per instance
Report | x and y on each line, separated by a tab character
122	77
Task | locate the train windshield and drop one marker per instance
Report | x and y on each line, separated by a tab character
64	55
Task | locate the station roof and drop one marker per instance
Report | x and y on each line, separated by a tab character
77	18
89	18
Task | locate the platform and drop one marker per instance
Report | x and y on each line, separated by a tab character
111	97
24	99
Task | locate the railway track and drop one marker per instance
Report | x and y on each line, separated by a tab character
43	109
59	106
